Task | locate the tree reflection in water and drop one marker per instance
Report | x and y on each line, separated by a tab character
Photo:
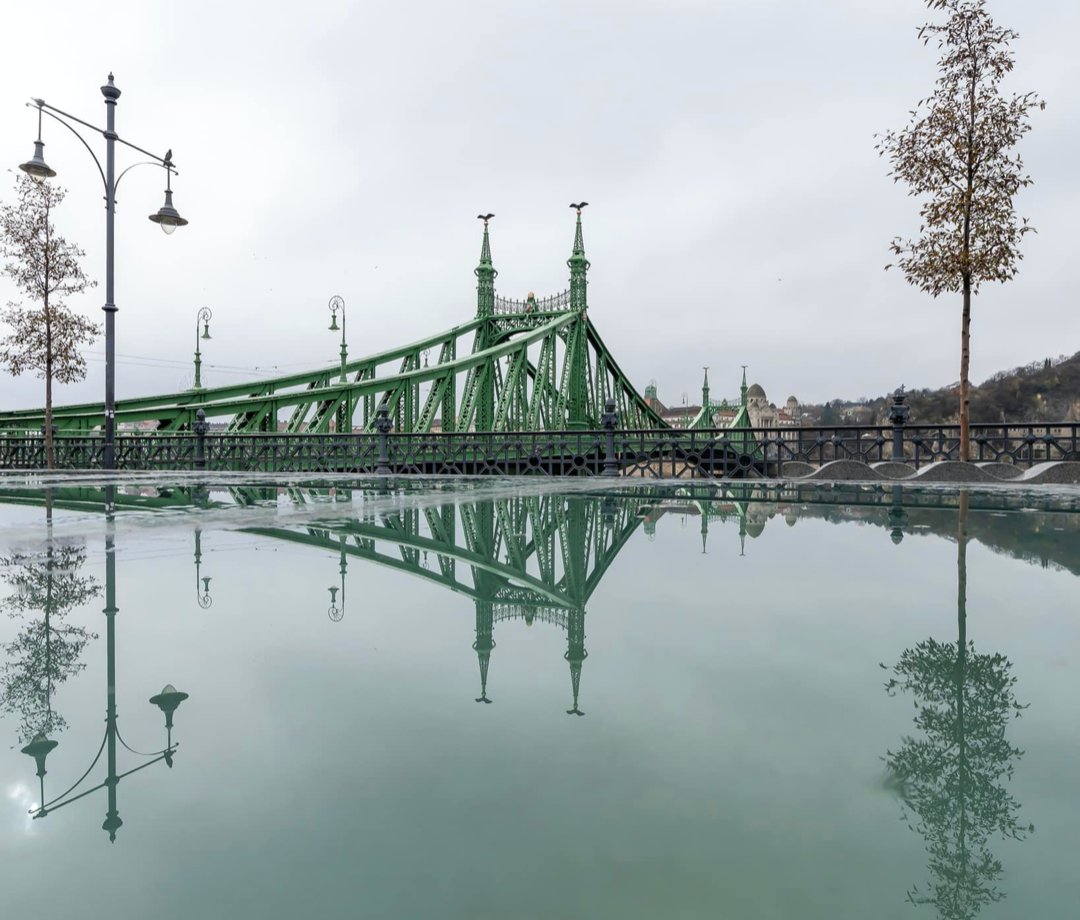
950	776
47	650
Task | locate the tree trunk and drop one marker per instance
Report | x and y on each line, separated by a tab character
961	666
49	458
965	361
965	324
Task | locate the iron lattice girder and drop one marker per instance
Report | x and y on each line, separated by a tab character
240	394
498	548
496	340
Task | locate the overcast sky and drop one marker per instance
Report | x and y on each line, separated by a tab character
739	213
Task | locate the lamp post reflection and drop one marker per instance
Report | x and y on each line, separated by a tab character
335	612
202	584
898	516
167	701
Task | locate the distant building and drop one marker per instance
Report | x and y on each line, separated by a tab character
764	414
751	409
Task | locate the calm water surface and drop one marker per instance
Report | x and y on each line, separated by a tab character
477	700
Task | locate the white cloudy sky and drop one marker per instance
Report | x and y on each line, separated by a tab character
346	148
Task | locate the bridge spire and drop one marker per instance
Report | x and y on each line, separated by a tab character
485	627
575	653
743	388
705	394
485	274
579	265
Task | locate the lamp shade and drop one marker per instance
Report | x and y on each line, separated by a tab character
167	217
39	749
36	165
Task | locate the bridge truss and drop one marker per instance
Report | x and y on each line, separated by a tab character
537	364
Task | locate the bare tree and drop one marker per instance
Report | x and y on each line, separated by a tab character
956	154
45	267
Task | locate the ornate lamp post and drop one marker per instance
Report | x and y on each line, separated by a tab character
204	316
166	217
898	416
338	303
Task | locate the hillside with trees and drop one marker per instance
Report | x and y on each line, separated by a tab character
1044	390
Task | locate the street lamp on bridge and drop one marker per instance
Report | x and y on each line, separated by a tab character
204	316
166	217
338	303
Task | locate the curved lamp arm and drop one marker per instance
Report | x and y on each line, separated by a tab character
41	108
170	168
51	111
42	104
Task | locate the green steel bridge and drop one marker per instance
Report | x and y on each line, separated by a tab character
537	364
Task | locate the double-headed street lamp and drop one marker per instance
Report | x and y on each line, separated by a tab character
166	217
204	317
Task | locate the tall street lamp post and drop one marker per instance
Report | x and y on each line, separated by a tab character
204	317
166	217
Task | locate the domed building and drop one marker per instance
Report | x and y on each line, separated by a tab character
764	414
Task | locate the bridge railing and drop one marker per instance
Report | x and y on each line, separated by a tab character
505	305
725	453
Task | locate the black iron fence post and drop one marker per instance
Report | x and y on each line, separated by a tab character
200	427
898	414
383	426
609	420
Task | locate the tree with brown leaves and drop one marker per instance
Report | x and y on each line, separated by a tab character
45	268
956	153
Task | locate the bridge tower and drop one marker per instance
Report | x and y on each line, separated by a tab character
577	401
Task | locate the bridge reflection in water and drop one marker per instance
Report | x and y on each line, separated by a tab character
539	558
536	558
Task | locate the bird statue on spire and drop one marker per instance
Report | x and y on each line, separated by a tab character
578	207
484	217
